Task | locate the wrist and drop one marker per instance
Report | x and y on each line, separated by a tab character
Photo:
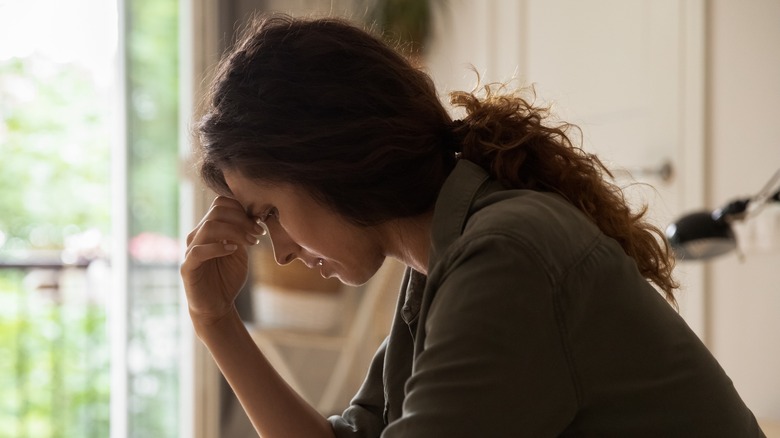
208	323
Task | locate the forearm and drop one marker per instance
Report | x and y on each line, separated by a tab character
274	408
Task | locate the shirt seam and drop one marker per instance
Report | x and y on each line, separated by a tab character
561	320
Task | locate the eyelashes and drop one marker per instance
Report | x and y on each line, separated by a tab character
269	214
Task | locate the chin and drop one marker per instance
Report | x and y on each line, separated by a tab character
353	278
351	281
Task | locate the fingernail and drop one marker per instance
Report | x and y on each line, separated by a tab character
252	239
259	229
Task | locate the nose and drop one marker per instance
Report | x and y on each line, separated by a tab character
285	249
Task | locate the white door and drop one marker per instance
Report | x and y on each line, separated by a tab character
628	72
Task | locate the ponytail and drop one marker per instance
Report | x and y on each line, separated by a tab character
509	137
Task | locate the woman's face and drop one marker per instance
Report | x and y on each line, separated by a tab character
302	228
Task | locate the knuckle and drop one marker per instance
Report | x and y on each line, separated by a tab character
217	211
224	201
209	225
191	236
219	199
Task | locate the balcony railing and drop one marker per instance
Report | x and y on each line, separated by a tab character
54	363
55	353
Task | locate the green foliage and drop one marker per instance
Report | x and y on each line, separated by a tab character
54	369
406	24
153	118
55	133
153	121
56	129
54	140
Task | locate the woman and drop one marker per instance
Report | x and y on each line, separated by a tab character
527	308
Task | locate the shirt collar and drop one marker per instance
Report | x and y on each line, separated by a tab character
452	208
449	217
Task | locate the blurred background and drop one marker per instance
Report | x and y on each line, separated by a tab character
97	99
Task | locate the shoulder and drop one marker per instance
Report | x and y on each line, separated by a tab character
544	224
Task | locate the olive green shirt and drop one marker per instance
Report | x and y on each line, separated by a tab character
532	323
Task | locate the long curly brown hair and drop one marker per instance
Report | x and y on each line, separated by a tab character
331	108
515	141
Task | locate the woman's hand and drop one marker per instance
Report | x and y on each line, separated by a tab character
215	263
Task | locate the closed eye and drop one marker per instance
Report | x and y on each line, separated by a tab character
269	214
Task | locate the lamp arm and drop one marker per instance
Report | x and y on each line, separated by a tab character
765	196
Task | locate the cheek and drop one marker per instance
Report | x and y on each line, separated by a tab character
355	274
357	267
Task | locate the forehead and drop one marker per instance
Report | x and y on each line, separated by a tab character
258	194
237	181
246	190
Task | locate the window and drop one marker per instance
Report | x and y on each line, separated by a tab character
61	113
55	135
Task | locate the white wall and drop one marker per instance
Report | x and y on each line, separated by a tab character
743	132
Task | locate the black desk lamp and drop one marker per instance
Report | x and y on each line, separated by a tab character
704	234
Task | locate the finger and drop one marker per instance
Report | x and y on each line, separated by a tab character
226	201
235	208
227	212
219	200
215	231
198	254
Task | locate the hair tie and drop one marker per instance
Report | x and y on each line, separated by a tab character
453	140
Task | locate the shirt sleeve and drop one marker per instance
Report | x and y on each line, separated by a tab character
364	418
494	360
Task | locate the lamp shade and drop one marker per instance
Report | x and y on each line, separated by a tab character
701	235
